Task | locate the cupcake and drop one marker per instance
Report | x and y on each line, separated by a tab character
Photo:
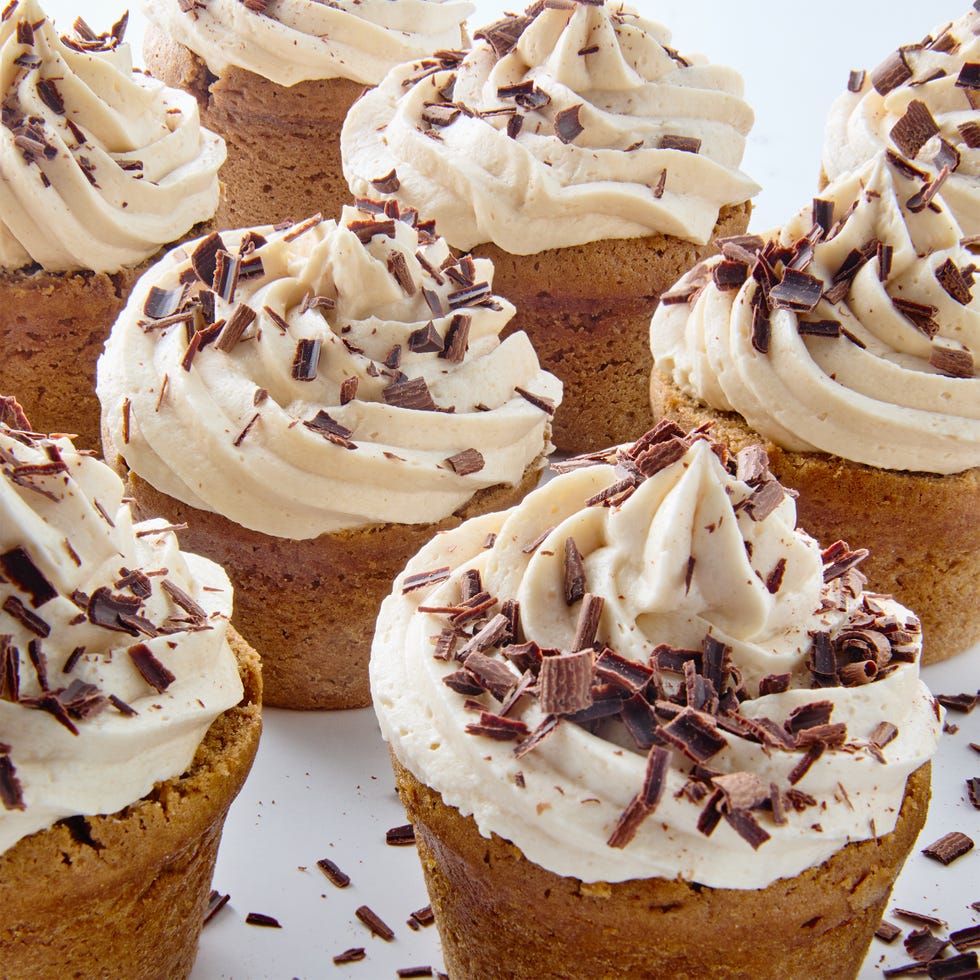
682	742
101	167
129	718
276	80
847	343
590	161
315	402
921	102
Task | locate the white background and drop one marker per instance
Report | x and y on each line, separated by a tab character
322	786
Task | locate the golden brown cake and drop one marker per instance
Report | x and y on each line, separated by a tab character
501	916
277	81
124	169
587	310
682	740
352	397
847	342
125	895
129	719
587	157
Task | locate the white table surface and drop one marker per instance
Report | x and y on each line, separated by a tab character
322	786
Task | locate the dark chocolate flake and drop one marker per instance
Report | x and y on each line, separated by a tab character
891	73
30	621
969	76
261	919
425	340
231	334
466	462
538	401
374	922
686	144
954	282
412	394
914	129
949	847
333	431
203	258
420	580
567	124
216	902
387	184
565	683
887	931
11	792
337	877
401	836
574	573
952	361
798	291
21	570
353	955
151	670
306	360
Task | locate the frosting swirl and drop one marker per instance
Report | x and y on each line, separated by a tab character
101	165
112	641
922	100
569	124
347	379
292	41
714	610
855	335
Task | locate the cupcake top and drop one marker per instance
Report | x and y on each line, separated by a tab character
922	101
573	122
293	41
113	654
101	166
324	376
645	670
852	332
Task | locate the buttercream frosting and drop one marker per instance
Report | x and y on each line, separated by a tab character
113	644
354	375
100	165
565	125
689	565
875	360
291	41
932	78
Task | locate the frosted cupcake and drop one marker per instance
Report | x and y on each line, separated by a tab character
589	160
315	402
276	80
848	343
129	718
684	742
921	102
101	168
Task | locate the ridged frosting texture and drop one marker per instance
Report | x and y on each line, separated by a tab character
112	641
874	361
291	41
935	79
566	125
687	568
370	361
101	165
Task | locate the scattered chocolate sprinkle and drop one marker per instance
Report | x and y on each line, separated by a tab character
374	923
952	361
966	938
764	499
398	267
11	791
729	275
348	389
261	919
923	946
497	727
962	967
797	291
122	707
958	702
761	330
565	683
969	76
331	430
414	971
660	186
588	621
921	917
538	401
574	573
914	129
686	144
949	847
424	916
353	955
216	902
954	282
466	462
333	873
891	73
947	156
204	257
162	303
240	438
182	599
818	328
887	931
151	670
855	81
973	791
30	621
567	124
401	836
387	184
923	198
503	34
425	340
747	827
695	734
775	578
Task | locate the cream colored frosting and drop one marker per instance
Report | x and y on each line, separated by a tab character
100	166
534	191
291	41
79	538
860	123
876	398
678	559
282	477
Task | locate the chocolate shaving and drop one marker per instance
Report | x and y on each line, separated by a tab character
588	621
306	360
952	361
333	431
182	599
151	670
232	331
11	791
466	462
401	836
497	727
965	938
204	257
887	931
747	827
923	946
216	902
891	73
729	275
803	766
798	291
694	734
425	340
30	621
538	401
818	328
574	573
413	394
353	955
490	675
567	124
686	144
387	184
565	683
958	702
333	873
420	580
954	282
261	919
20	569
161	303
761	329
855	81
914	129
374	923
